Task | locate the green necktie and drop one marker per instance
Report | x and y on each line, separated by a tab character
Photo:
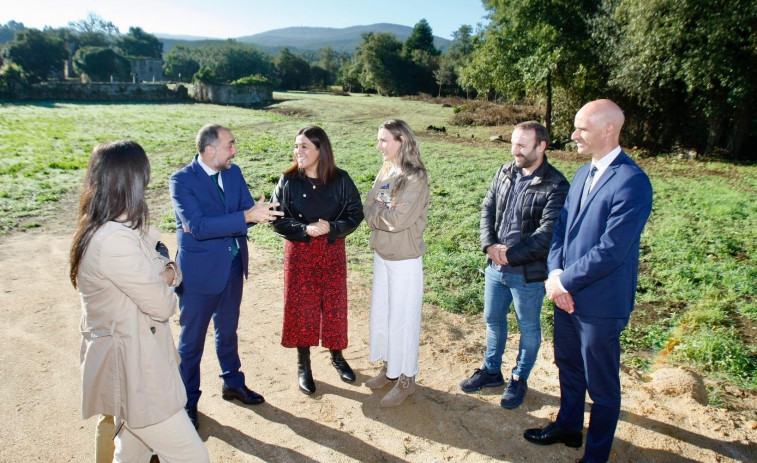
218	185
234	246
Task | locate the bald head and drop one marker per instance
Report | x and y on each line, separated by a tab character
598	125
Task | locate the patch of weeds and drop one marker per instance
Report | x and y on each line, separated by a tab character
716	395
290	111
12	169
68	164
718	349
167	222
547	319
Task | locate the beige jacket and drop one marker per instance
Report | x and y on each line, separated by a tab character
397	222
129	362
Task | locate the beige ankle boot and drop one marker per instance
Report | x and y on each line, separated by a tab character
380	380
402	390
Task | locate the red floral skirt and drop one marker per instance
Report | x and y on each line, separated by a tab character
315	294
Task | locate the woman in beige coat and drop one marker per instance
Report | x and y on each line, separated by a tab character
128	359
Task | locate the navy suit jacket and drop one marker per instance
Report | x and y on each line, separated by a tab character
598	246
205	252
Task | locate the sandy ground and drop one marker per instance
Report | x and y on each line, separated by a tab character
661	421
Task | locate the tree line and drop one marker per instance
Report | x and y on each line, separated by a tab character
97	49
685	71
100	53
381	63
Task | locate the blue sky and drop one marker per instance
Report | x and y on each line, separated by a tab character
236	18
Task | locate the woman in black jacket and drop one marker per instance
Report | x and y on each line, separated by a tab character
321	206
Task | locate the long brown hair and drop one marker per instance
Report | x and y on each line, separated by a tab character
326	163
114	185
408	160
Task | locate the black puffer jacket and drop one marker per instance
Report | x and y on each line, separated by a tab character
289	192
542	203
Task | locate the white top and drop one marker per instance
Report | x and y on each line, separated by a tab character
603	164
210	171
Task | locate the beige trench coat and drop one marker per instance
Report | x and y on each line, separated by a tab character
129	362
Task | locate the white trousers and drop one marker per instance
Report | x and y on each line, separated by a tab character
105	446
175	440
395	321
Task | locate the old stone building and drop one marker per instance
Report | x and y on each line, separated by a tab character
147	69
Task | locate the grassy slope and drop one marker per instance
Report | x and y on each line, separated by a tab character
696	302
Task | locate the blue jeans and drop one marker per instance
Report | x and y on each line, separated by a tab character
501	289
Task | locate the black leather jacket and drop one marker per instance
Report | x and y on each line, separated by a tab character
289	192
542	203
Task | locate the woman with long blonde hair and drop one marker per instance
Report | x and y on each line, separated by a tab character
396	211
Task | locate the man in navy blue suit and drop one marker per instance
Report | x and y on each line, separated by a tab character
593	265
214	209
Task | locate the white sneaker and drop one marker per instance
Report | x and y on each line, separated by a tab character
404	388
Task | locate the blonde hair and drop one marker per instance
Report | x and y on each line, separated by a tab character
408	162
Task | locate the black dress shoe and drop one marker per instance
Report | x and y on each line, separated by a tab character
242	394
341	365
553	434
192	413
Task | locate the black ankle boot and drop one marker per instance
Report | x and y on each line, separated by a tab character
345	372
304	373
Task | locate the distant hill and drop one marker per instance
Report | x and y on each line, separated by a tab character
188	38
307	38
169	43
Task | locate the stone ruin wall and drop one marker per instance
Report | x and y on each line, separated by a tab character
243	95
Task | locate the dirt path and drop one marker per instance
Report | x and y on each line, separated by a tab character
40	388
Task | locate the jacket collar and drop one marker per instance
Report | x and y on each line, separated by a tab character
207	182
621	158
538	174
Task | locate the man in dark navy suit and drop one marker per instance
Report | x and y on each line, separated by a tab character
593	265
214	209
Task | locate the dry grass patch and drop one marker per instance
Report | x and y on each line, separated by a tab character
485	113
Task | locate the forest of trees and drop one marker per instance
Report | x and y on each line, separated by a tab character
685	71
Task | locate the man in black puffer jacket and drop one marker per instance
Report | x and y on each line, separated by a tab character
517	218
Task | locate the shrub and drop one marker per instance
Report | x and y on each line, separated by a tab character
11	77
206	75
489	114
255	79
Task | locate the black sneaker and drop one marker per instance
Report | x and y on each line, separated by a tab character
514	393
481	379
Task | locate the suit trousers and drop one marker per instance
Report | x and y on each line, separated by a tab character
395	319
174	440
196	313
587	354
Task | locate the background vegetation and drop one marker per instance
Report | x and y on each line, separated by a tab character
685	71
696	303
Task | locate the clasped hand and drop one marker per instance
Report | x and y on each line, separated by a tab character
562	299
319	228
497	253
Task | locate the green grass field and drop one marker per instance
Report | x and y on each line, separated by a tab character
696	303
